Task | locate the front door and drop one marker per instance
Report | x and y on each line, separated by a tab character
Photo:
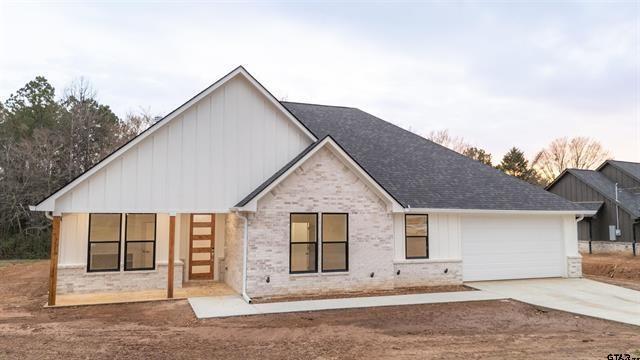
201	246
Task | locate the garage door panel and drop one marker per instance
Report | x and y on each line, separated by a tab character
515	265
511	247
505	252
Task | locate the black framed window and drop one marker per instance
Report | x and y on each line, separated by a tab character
140	242
335	242
303	247
416	231
103	251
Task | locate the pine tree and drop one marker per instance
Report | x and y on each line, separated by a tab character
515	164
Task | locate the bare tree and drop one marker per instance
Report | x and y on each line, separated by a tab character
478	154
443	138
92	129
134	124
562	153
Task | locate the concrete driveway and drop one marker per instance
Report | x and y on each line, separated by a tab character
579	296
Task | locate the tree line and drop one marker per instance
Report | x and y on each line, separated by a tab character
578	152
45	142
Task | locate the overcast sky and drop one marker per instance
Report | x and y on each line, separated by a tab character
495	73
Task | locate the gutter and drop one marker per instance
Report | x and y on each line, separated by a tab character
584	212
245	247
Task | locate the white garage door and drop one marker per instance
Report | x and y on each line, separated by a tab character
511	247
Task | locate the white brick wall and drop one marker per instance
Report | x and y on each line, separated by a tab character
574	266
77	280
324	184
427	273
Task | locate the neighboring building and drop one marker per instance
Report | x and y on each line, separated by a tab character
281	198
615	224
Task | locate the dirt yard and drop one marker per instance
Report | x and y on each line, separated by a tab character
617	269
168	330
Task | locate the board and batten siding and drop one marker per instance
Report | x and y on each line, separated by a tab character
622	178
573	189
444	237
205	160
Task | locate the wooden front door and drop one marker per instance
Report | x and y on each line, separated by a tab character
201	246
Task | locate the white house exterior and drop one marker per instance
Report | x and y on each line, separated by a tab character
277	199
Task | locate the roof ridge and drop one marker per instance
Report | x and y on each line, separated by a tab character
624	161
313	104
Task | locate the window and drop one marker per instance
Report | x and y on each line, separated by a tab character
104	242
335	235
140	242
416	231
303	250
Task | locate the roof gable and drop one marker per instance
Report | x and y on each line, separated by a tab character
604	186
250	202
631	169
48	204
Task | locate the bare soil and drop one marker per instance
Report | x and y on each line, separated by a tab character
617	269
354	294
169	330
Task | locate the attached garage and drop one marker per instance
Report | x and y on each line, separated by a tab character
498	247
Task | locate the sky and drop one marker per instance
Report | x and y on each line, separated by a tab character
499	74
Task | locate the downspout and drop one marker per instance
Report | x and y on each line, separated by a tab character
244	257
617	213
48	215
590	234
635	237
580	218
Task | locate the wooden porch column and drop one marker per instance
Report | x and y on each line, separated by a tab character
53	264
172	240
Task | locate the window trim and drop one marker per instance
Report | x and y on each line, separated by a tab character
119	242
407	237
126	242
315	270
346	242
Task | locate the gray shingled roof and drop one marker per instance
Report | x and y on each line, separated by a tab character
590	205
631	168
602	184
417	172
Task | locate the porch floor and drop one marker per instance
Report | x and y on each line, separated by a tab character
188	290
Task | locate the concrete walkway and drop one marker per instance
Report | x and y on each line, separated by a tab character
224	306
579	296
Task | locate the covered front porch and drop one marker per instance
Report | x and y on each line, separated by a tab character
188	290
100	258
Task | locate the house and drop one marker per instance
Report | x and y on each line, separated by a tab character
614	226
281	198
